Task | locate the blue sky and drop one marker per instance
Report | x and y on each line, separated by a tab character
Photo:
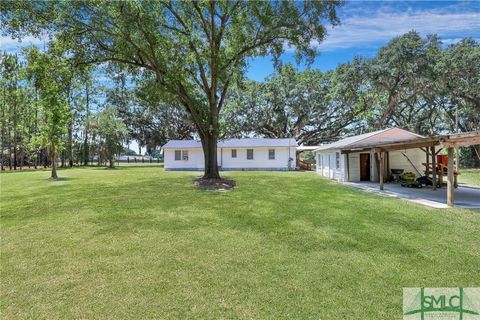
368	25
365	27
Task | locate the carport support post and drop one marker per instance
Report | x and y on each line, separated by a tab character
434	168
382	168
427	171
450	182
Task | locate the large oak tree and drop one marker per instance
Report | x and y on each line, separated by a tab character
195	49
310	106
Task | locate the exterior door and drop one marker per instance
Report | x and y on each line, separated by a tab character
364	166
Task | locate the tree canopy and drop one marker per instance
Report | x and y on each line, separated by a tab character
310	106
173	80
413	82
195	50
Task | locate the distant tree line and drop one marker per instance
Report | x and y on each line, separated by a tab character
190	53
56	113
47	111
412	82
53	109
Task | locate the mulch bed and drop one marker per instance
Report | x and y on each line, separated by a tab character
214	184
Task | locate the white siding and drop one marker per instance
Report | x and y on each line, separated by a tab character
260	158
226	162
331	170
341	172
326	164
398	160
195	160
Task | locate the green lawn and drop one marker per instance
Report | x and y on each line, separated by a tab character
469	177
138	242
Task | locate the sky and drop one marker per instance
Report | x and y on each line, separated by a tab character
368	25
365	27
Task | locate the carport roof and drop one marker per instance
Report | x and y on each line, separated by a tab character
372	138
444	141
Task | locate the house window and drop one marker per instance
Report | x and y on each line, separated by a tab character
249	154
185	155
234	153
271	154
337	160
178	155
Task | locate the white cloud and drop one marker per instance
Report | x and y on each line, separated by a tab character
449	41
13	45
381	26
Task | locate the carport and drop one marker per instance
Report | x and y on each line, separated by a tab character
431	146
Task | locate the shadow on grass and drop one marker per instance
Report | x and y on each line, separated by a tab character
62	179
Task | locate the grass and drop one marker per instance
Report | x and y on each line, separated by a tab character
469	177
138	242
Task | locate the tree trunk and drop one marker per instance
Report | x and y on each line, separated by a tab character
85	149
392	103
22	156
53	157
63	159
15	136
44	157
37	151
87	117
209	144
70	143
112	163
10	164
14	155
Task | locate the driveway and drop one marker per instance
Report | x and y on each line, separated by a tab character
465	197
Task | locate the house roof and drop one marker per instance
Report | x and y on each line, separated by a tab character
389	135
233	143
307	148
182	144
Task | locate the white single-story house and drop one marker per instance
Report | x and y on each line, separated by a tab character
233	154
354	158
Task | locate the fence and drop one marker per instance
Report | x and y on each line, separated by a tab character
133	160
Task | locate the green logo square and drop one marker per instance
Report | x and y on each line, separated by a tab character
441	303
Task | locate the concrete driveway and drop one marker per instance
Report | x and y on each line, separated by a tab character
465	197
